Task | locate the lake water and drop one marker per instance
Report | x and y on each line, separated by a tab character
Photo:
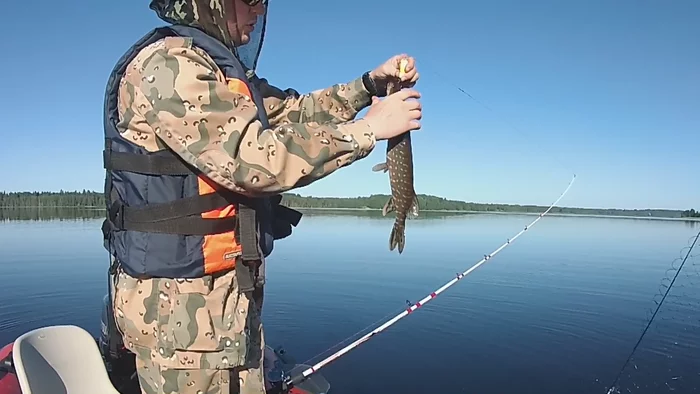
558	311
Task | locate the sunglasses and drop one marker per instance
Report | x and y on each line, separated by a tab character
254	2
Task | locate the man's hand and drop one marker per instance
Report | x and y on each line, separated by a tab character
395	114
390	70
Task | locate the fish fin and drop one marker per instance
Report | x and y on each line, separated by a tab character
388	207
397	238
380	167
415	207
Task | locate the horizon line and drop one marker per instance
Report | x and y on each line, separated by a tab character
385	194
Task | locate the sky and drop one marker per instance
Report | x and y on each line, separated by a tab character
608	90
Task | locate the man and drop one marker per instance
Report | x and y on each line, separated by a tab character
197	152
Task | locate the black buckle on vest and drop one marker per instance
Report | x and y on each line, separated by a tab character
116	215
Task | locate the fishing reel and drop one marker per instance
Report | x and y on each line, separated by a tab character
285	377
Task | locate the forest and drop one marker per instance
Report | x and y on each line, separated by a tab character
90	199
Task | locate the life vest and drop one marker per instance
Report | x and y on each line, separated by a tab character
165	218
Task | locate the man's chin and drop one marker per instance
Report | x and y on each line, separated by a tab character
242	40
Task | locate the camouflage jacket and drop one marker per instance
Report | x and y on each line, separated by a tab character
204	119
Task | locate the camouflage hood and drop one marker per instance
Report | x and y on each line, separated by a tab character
210	16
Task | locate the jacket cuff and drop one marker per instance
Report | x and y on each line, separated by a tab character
361	136
360	97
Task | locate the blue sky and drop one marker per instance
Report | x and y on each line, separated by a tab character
610	90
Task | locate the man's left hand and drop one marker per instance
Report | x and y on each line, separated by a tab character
390	70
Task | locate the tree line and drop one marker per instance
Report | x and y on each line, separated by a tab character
61	199
691	213
90	199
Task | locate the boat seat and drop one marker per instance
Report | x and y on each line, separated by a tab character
60	360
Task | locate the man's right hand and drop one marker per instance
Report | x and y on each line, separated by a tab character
394	115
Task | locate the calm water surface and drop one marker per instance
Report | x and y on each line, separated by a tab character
556	312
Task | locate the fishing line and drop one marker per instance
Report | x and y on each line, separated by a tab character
528	138
666	281
613	387
292	380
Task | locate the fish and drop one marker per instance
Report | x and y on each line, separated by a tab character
399	163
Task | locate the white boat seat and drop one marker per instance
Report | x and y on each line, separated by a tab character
60	360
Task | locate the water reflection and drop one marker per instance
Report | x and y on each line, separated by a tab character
377	214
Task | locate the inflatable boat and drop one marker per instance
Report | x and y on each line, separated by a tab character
68	360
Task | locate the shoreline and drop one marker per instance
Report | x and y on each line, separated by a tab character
581	215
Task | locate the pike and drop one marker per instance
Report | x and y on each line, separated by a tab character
399	163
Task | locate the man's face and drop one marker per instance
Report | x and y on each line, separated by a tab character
242	20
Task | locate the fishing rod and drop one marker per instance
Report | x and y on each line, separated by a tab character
294	380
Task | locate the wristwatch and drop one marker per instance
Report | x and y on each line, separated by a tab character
369	84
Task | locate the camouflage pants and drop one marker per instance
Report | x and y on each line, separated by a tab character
191	336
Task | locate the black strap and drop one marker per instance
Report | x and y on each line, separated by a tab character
184	226
195	205
245	275
177	217
251	260
247	233
145	164
113	337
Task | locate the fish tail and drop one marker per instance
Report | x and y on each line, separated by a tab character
397	237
